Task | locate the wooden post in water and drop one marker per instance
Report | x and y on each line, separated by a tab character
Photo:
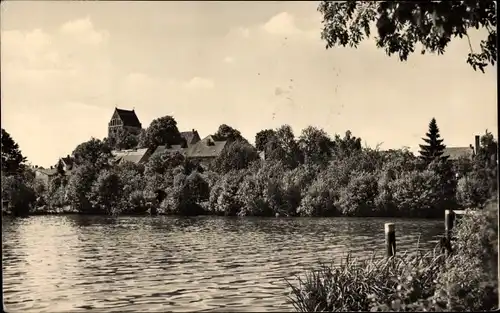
390	239
449	219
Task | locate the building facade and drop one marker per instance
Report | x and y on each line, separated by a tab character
45	175
124	119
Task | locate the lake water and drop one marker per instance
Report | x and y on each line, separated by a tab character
132	264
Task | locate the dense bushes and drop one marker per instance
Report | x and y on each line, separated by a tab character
186	194
238	155
20	193
79	188
311	176
358	197
472	271
364	285
464	281
369	183
223	195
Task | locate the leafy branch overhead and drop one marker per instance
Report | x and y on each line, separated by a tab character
401	25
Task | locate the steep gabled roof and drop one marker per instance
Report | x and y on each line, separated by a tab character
191	137
129	118
172	149
206	148
455	153
134	156
68	160
47	171
51	171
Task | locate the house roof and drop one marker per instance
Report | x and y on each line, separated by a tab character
173	148
129	118
455	153
68	160
190	136
47	171
134	156
51	171
202	149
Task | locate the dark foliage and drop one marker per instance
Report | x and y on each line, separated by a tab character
434	148
309	176
123	138
401	25
161	131
262	138
237	155
228	133
464	281
12	158
94	152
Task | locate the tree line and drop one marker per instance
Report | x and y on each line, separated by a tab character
312	175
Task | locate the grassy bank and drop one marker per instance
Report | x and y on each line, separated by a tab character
466	280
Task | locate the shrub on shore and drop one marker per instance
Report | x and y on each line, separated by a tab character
312	176
362	285
20	194
464	281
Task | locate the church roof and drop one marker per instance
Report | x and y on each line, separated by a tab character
128	117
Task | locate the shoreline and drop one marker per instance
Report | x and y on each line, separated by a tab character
71	213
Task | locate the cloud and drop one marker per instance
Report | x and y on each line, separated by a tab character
58	129
24	46
281	24
278	91
83	31
287	24
199	83
141	83
138	78
155	96
243	31
229	59
146	91
239	32
39	67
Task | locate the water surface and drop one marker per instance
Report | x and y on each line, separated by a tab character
131	264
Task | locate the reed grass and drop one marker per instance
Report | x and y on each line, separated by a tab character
360	285
464	280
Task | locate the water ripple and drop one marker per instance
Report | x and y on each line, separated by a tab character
128	264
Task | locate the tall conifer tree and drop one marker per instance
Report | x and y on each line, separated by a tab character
434	147
12	158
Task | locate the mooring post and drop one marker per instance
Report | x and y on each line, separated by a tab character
390	239
449	219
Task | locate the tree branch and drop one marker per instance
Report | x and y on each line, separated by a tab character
470	45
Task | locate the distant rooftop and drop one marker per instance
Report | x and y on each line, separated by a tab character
191	137
172	149
132	155
51	171
206	148
129	117
454	153
68	160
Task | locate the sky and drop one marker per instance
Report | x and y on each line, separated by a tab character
251	65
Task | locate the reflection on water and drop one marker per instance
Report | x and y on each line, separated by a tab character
77	263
